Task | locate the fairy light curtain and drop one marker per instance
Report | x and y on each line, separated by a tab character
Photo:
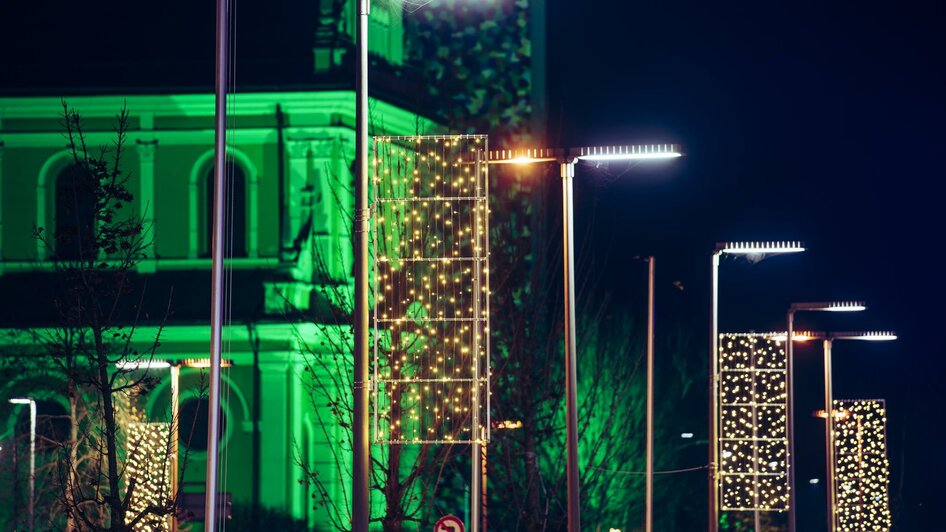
861	467
753	443
150	469
431	287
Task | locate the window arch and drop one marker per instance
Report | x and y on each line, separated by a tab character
244	202
46	197
73	231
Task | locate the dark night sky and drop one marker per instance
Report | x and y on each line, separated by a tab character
818	121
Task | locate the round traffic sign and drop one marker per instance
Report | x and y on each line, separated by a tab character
449	523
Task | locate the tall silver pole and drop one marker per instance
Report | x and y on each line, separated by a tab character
713	521
571	365
175	430
217	252
829	432
649	514
32	461
790	414
361	464
476	448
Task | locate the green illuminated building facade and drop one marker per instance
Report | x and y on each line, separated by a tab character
291	152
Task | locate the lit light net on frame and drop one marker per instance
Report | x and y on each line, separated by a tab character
861	468
431	288
753	443
149	466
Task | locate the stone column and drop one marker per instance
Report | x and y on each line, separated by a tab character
292	201
274	427
146	149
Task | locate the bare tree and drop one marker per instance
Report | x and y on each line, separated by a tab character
95	247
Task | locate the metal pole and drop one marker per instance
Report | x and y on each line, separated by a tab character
713	521
32	461
175	428
217	252
476	456
649	497
571	380
790	414
361	465
829	432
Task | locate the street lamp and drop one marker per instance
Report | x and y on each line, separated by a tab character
829	406
32	403
566	160
753	250
824	306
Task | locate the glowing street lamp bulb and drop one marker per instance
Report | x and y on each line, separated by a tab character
628	153
797	336
758	248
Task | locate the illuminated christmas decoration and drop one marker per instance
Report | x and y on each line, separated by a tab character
861	467
431	288
149	467
753	446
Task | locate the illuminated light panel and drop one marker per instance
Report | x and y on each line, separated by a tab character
871	336
686	435
430	288
627	153
149	466
861	467
142	364
753	444
758	248
20	401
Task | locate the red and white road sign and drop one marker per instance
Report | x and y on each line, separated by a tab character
449	523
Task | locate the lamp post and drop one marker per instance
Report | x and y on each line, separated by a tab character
32	403
748	249
567	160
649	482
829	412
826	306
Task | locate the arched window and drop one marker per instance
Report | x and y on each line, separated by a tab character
74	234
235	208
193	420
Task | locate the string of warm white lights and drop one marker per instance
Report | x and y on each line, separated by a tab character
431	275
861	466
149	468
753	446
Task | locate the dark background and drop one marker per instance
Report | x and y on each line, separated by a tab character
816	121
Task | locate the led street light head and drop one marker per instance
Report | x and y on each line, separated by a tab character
761	248
205	363
627	153
873	336
525	156
21	401
142	364
831	306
